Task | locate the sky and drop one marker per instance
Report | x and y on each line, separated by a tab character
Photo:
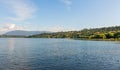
58	15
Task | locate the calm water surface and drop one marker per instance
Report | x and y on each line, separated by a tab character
58	54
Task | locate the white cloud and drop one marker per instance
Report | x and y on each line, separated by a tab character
68	3
21	9
11	26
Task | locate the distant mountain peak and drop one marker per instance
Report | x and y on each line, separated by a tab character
24	33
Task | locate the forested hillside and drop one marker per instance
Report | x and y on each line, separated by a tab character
95	33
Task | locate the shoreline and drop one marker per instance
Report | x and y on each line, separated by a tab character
71	38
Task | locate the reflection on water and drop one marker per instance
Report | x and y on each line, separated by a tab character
16	59
58	54
11	45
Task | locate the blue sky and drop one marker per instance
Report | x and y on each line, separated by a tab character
58	15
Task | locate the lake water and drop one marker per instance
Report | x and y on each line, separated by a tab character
58	54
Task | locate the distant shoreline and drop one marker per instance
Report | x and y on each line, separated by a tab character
97	34
70	38
100	39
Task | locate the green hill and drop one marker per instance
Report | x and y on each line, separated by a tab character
94	33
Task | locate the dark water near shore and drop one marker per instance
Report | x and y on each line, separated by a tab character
58	54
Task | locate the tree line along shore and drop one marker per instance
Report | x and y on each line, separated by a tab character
105	33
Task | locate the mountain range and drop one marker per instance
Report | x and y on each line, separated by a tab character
24	33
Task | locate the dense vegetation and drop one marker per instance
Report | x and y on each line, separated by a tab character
106	33
111	33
